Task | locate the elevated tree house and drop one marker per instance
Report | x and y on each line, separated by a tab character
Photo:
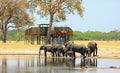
59	35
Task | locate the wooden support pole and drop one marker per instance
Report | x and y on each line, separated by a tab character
32	40
38	40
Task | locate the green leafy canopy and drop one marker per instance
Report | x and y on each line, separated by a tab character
58	8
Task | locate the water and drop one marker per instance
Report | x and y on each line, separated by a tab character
34	64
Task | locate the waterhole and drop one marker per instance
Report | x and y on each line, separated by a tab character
36	64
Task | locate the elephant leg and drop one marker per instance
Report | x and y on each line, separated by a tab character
74	55
55	53
39	52
70	54
52	54
90	53
96	51
66	54
87	54
84	56
45	52
63	54
93	53
58	54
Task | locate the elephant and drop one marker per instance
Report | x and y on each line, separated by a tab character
69	53
93	48
87	52
68	43
46	48
76	48
58	49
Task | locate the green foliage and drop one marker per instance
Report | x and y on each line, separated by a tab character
90	35
13	34
0	36
13	12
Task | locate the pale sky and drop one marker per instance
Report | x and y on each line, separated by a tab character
99	15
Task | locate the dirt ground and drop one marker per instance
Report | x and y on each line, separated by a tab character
106	49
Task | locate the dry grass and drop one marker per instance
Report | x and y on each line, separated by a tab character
17	45
21	47
105	48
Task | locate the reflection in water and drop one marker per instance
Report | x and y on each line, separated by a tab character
16	64
34	64
66	62
88	63
4	65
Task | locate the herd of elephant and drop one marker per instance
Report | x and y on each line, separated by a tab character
69	49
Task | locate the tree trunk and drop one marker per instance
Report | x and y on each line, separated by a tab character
4	37
47	40
4	33
18	34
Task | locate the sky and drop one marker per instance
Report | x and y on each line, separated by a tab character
99	15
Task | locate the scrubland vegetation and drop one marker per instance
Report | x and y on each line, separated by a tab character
89	35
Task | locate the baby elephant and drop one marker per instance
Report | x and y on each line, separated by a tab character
69	53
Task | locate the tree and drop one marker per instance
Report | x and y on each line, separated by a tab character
57	10
13	14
